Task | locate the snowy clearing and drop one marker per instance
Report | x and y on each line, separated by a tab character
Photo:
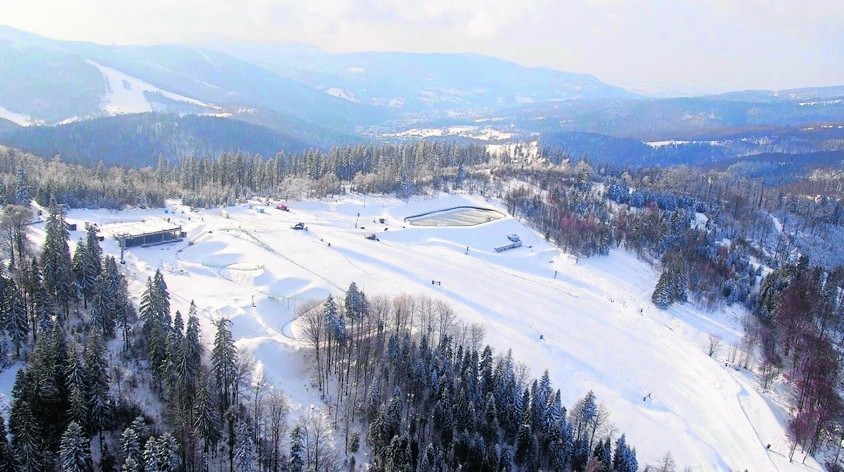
17	118
600	330
126	94
473	132
345	94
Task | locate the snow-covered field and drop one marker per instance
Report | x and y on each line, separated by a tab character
600	330
483	133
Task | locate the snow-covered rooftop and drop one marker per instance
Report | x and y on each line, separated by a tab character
135	228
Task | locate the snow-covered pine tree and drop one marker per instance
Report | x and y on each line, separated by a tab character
152	457
130	441
353	302
88	265
40	310
102	307
93	263
155	313
76	265
58	274
206	418
131	465
489	424
124	314
192	339
603	455
681	281
7	458
524	444
23	195
161	454
168	449
97	388
624	458
297	451
398	455
13	313
244	452
76	380
27	441
75	451
224	364
661	296
163	297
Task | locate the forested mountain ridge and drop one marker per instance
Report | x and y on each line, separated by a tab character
139	140
7	125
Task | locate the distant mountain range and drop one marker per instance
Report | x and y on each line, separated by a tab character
50	81
704	150
128	104
418	83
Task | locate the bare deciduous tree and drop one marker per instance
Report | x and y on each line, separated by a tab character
320	455
312	321
666	464
13	226
277	411
715	342
477	332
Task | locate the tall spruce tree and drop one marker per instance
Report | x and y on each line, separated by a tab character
662	295
224	363
77	384
624	458
76	264
58	273
130	441
27	441
297	451
244	453
97	388
206	418
13	313
23	195
7	457
75	451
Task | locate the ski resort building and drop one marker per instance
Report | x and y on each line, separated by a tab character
514	243
145	232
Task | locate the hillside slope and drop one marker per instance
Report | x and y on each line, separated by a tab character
592	326
138	140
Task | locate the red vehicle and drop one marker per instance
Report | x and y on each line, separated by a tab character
283	207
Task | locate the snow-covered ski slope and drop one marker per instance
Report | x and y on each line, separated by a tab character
127	94
600	330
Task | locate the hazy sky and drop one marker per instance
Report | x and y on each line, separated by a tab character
705	45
